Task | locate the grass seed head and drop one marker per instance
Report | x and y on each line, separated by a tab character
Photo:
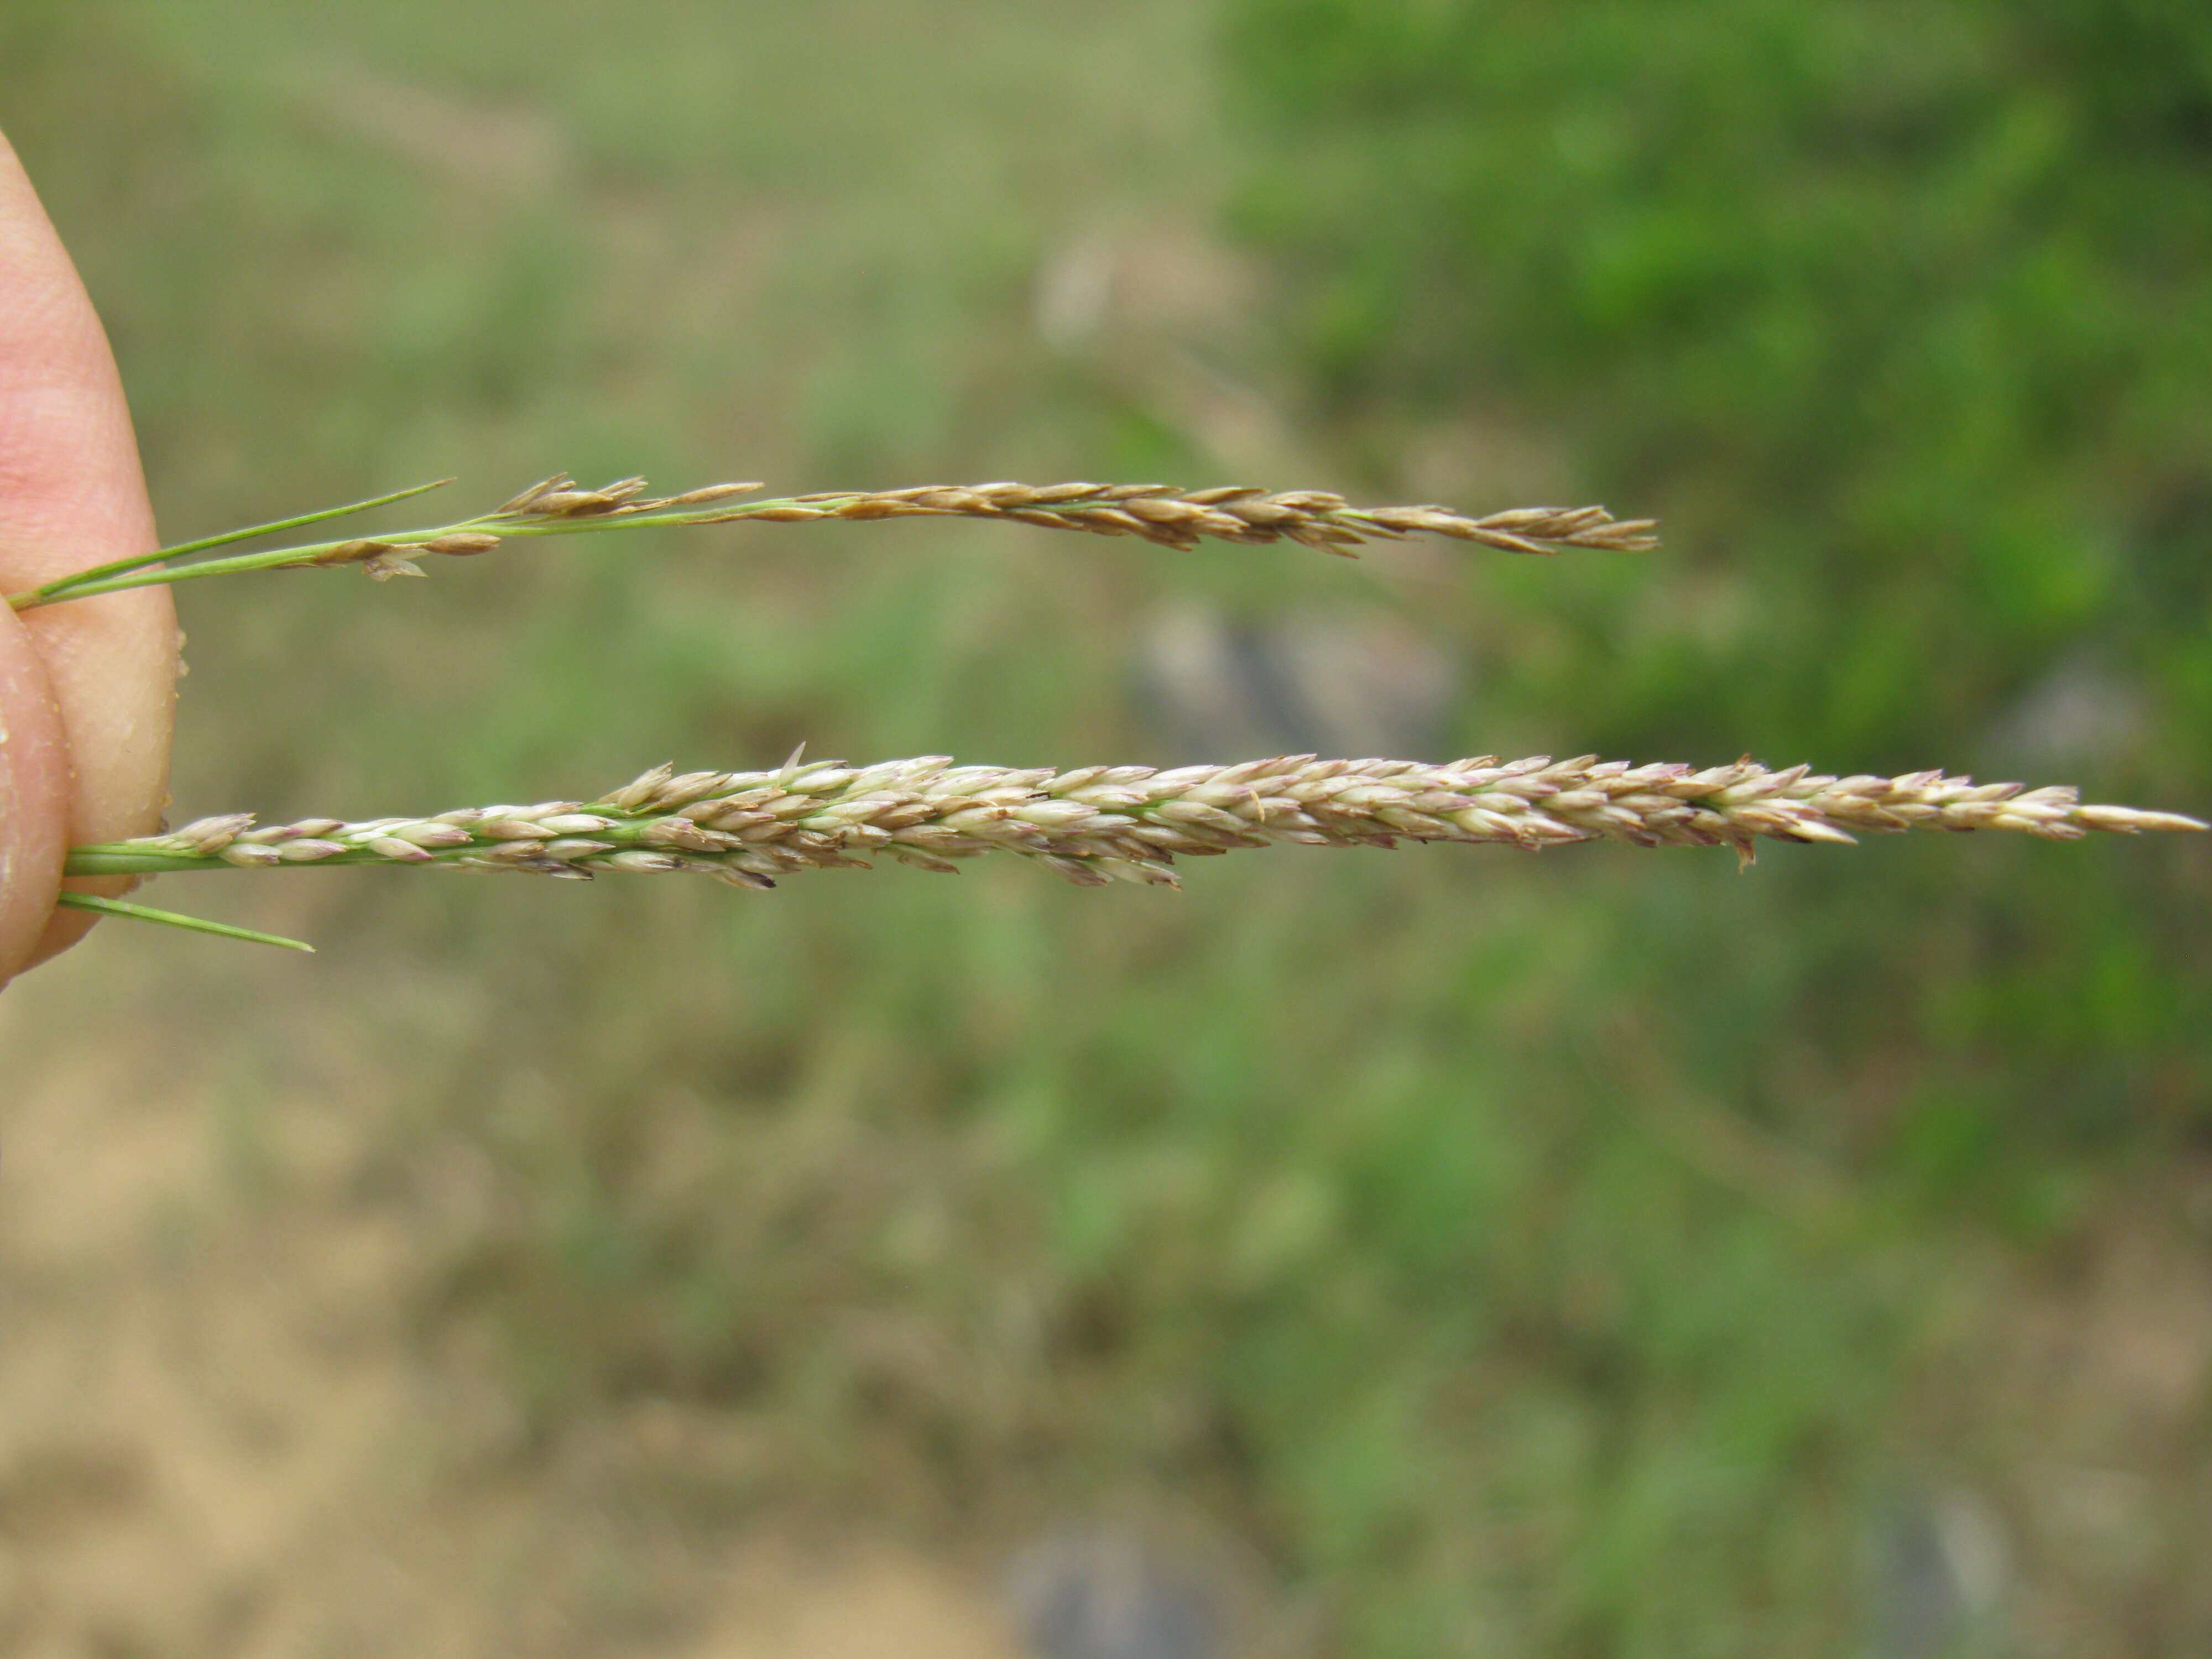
1097	824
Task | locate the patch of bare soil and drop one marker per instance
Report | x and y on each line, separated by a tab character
220	1436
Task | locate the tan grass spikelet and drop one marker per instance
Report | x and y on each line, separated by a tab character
1092	825
1100	824
1158	512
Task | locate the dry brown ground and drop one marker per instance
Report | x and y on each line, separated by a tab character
219	1435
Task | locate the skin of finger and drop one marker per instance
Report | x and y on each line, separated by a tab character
71	494
34	798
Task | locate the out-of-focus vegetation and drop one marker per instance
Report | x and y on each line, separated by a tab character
1897	315
1602	1253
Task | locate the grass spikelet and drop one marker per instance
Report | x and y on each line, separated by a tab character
1090	826
1097	824
1162	513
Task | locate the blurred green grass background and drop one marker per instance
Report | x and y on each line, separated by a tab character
1607	1254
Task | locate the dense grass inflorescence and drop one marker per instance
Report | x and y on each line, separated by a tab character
1100	824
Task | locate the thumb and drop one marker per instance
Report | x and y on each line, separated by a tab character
85	688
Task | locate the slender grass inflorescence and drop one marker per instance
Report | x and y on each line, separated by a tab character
1158	513
1123	822
1091	826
